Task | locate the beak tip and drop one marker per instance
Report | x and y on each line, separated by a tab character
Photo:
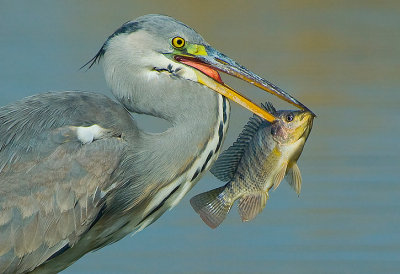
312	113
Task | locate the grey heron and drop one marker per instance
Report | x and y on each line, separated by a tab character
76	173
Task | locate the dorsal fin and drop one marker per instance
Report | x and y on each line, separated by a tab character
269	107
226	165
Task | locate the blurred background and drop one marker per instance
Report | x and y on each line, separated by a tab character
340	58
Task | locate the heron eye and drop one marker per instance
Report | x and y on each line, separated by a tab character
289	117
178	42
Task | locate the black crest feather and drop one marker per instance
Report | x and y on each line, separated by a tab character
128	27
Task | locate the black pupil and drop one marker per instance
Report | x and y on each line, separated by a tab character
179	41
289	118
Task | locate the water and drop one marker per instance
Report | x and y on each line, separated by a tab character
339	58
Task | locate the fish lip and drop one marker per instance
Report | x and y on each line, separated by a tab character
309	124
306	126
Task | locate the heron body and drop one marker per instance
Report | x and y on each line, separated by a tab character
76	173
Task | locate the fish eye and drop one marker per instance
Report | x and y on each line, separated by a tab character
289	117
178	42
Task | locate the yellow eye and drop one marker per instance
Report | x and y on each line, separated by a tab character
178	42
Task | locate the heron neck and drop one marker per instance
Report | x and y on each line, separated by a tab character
199	124
194	111
183	151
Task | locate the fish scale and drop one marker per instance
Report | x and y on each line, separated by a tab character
258	160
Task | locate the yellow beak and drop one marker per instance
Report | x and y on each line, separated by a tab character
207	61
235	96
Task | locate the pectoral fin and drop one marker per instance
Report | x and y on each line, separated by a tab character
279	176
294	178
211	207
251	205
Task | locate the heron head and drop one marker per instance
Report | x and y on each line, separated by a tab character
157	45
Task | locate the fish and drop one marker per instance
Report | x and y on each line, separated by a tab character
263	154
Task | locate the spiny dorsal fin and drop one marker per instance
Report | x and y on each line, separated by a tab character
251	205
269	107
211	207
226	165
294	178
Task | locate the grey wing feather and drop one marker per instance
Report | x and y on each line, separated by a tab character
50	183
226	165
36	115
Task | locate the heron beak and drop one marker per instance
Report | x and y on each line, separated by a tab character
207	61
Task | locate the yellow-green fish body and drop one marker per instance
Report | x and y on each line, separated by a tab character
261	157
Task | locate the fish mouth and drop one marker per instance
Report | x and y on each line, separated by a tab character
208	62
307	119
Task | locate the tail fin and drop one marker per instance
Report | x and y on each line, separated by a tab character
211	207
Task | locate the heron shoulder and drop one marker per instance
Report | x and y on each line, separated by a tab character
35	126
52	179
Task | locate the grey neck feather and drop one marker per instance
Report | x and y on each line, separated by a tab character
192	109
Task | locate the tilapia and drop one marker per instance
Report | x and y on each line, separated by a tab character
258	160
